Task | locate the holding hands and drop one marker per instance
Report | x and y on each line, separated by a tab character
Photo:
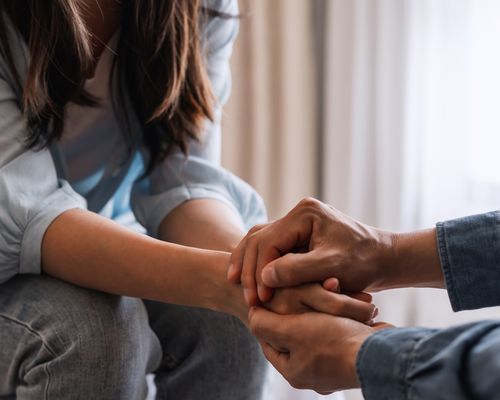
312	243
306	257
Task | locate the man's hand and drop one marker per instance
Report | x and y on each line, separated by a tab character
314	242
311	243
312	350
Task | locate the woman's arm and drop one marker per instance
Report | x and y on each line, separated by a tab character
91	251
204	223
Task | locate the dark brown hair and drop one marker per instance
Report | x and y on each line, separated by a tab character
159	56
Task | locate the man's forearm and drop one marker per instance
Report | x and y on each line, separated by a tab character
417	362
413	260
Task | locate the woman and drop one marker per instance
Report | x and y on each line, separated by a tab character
101	102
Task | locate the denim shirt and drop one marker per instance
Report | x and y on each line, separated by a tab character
34	191
461	362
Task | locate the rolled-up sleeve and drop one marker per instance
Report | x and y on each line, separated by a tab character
461	362
31	196
179	178
469	250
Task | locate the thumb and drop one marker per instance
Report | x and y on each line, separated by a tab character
294	269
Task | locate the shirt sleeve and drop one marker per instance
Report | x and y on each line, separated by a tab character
179	178
469	250
458	363
31	196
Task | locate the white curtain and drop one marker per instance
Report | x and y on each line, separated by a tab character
412	123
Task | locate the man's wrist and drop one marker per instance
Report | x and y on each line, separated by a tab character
413	261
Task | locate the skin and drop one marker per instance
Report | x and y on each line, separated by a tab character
187	266
312	350
332	244
91	251
317	243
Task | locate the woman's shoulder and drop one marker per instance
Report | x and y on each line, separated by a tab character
223	6
219	31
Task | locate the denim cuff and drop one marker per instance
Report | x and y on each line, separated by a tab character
384	360
469	249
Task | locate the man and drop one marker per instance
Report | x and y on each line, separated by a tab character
315	243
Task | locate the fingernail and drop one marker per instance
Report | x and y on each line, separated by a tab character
269	276
374	313
370	322
335	289
230	270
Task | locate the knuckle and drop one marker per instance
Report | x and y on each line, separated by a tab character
253	240
309	202
254	229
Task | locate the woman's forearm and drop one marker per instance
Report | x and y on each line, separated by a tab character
91	251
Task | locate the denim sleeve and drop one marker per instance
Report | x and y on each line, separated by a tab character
31	196
457	363
469	249
179	178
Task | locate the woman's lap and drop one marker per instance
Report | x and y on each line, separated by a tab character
62	341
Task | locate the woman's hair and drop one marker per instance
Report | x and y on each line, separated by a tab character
159	56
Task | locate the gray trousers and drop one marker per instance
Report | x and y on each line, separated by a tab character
59	341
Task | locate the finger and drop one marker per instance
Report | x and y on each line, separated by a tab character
270	327
332	284
265	255
295	269
236	261
340	305
278	359
363	296
248	273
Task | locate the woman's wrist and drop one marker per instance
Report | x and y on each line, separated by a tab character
222	295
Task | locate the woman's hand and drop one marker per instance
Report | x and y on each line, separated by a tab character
312	350
314	242
314	297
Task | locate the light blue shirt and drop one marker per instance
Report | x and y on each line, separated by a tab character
33	185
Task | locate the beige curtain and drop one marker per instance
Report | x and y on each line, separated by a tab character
270	124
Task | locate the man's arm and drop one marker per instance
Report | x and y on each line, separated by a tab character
327	354
462	255
461	362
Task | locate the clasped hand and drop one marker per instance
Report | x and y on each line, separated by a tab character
292	271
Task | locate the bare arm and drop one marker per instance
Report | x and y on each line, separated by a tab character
204	223
91	251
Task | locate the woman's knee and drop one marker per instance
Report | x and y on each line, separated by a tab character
214	340
103	337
